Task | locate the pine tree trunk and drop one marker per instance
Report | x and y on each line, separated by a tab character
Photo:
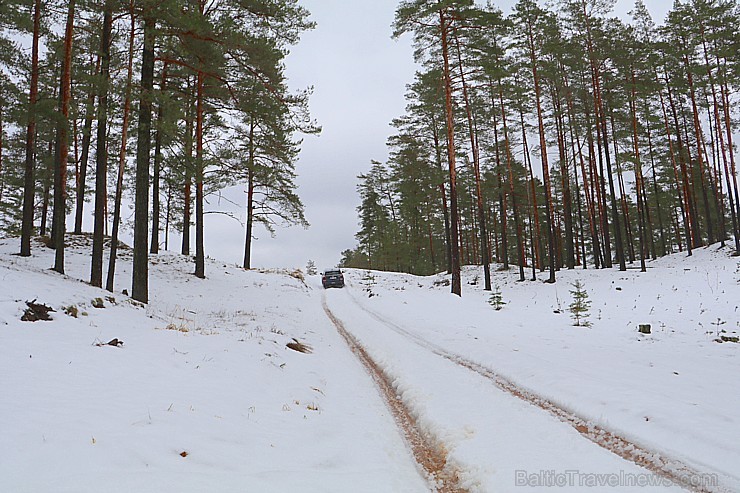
624	200
140	278
663	244
29	183
543	156
598	192
250	200
502	205
110	281
638	178
454	216
600	123
565	183
589	188
101	155
83	164
2	144
535	220
681	197
46	200
725	93
699	151
250	222
692	230
485	256
187	192
715	175
200	268
60	175
512	191
154	244
577	151
443	197
167	217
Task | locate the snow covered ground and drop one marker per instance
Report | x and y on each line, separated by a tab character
675	392
204	395
220	386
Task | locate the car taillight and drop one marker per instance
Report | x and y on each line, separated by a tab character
323	278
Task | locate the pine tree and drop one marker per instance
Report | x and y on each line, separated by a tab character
580	305
496	300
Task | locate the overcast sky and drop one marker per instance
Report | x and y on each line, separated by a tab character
359	75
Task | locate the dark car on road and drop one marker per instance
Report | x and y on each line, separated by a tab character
332	279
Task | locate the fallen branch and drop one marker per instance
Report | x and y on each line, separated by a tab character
36	312
113	342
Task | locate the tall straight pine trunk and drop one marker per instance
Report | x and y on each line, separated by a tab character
121	162
156	211
140	279
485	256
29	182
200	266
101	156
543	156
84	158
444	22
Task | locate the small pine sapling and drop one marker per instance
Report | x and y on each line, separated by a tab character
580	305
311	268
496	300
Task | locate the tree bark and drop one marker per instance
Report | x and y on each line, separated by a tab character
60	175
699	150
140	278
200	266
29	183
101	155
638	178
187	193
154	247
83	163
543	157
485	256
2	145
512	190
250	201
454	216
110	281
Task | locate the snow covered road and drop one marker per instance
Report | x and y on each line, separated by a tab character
496	438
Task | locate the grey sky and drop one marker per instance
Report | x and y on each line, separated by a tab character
359	74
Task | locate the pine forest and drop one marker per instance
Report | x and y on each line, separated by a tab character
160	103
556	137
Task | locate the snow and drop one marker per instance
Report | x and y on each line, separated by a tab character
248	412
204	372
675	391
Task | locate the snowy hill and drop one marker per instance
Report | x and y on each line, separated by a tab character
204	372
205	394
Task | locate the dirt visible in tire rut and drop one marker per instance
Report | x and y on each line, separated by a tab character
428	452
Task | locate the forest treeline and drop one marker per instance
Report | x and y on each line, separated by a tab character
556	137
162	101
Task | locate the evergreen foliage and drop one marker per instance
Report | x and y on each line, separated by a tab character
205	106
496	300
580	305
311	268
578	139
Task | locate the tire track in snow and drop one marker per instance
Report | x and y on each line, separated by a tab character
654	461
429	453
